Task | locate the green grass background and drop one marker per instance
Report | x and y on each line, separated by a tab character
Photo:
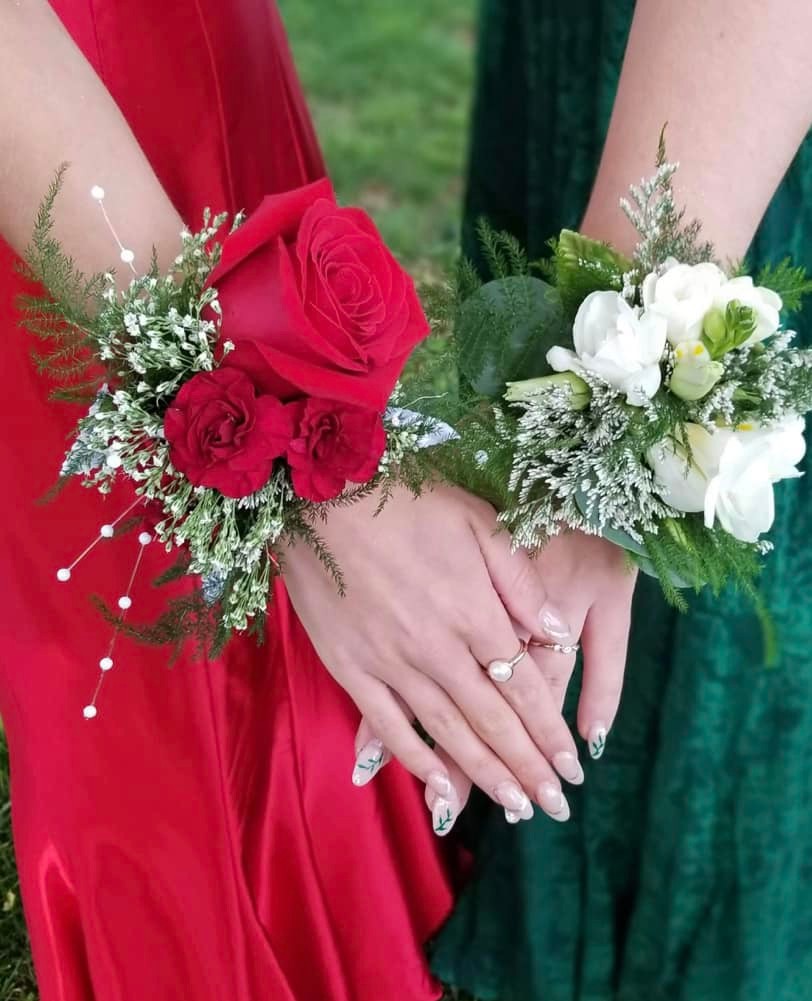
389	84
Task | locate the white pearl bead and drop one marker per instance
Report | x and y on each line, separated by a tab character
145	538
97	192
113	459
89	712
500	670
127	256
107	531
106	663
125	602
63	574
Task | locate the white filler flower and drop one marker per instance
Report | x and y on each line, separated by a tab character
616	343
731	473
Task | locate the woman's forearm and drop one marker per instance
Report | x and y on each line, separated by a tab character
54	109
733	79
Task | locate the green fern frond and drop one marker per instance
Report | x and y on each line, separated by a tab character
581	266
63	314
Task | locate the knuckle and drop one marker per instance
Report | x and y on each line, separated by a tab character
556	678
524	697
552	734
493	725
442	723
379	722
481	770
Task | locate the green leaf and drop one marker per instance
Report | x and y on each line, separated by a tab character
574	250
505	330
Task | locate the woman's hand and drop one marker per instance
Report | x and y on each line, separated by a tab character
432	595
589	590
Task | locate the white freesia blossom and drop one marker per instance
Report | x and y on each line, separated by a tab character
785	441
682	294
616	343
740	495
731	473
682	484
765	303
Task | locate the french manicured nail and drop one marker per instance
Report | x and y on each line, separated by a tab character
596	740
553	624
553	802
568	767
368	762
517	805
443	815
441	784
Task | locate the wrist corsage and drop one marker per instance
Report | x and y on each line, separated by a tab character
240	393
655	400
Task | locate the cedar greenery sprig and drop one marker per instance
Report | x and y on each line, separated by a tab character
653	212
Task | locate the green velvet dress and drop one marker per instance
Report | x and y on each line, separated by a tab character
685	873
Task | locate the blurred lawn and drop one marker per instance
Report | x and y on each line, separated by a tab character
389	85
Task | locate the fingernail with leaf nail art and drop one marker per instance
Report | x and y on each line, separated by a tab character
553	802
552	623
596	740
517	805
568	767
368	762
443	815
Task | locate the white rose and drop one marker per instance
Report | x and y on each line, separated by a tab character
731	473
617	344
765	303
682	294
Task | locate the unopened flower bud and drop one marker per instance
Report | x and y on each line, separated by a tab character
695	372
527	389
714	329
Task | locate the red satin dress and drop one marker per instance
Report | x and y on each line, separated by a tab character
200	840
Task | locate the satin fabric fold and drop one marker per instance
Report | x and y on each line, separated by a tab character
201	839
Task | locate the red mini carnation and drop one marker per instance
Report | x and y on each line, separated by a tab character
333	443
223	435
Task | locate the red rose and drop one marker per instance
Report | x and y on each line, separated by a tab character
333	443
314	301
222	435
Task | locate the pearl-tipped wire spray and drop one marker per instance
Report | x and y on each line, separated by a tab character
107	531
90	711
127	256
